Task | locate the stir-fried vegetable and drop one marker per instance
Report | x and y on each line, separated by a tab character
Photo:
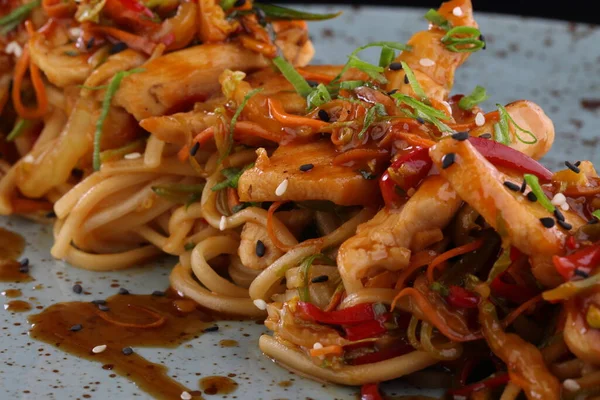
478	95
232	176
404	174
20	127
17	16
348	316
463	39
581	263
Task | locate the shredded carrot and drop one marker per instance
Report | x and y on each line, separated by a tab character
160	319
271	230
233	199
457	251
276	111
520	310
360	156
414	140
417	261
327	350
201	138
315	76
27	206
23	64
133	41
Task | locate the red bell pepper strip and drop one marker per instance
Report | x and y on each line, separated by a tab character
367	329
504	156
370	391
348	316
461	298
500	379
382	355
404	173
512	292
584	260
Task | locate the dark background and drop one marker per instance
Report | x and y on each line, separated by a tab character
572	10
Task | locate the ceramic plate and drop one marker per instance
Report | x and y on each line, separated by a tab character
556	64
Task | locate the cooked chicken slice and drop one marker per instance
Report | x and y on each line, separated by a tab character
179	128
530	117
279	178
183	77
293	41
387	240
481	185
432	63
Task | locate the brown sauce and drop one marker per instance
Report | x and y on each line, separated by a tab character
217	385
12	293
228	343
11	247
53	326
17	306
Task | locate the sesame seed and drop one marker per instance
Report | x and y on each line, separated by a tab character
281	188
558	215
317	346
512	186
132	156
14	48
547	222
127	351
213	328
260	304
123	291
24	262
260	248
577	163
448	160
117	48
77	289
75	32
51	214
99	349
457	11
76	328
564	225
564	206
24	269
531	197
306	167
581	273
460	136
395	66
185	396
406	81
102	307
90	43
479	119
571	385
158	293
486	136
29	159
420	120
572	167
323	115
223	223
319	279
392	92
523	187
426	62
194	149
98	302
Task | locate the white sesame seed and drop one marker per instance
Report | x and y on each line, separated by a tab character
558	199
565	206
479	119
99	349
132	156
14	48
29	159
571	385
281	188
223	223
260	304
185	396
317	345
76	32
426	62
457	11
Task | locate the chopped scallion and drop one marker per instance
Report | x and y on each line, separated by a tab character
227	5
278	13
478	95
414	83
179	192
424	111
596	214
234	119
319	96
303	292
232	176
351	85
386	57
16	16
20	126
501	133
505	118
536	188
437	19
293	76
370	116
374	71
467	41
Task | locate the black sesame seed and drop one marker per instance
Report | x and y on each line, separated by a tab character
406	79
24	269
194	149
324	115
260	16
213	328
392	92
306	167
102	307
312	83
512	186
482	38
395	66
90	43
239	3
158	293
564	225
51	214
572	167
448	160
531	197
593	221
547	222
486	136
581	273
127	351
117	48
260	248
98	302
523	187
319	279
24	262
577	163
420	120
558	215
76	328
460	136
77	289
123	291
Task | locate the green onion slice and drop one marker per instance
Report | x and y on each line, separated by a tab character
536	188
505	118
16	16
463	44
234	119
370	116
351	85
414	83
278	13
293	76
478	95
113	86
387	56
596	214
318	97
232	176
20	127
501	264
424	111
440	288
501	133
179	192
437	19
303	291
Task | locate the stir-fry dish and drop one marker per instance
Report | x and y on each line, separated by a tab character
377	224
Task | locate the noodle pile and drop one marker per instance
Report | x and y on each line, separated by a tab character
377	224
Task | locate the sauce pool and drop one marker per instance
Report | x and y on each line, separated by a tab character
11	248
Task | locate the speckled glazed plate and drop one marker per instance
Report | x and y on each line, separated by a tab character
555	64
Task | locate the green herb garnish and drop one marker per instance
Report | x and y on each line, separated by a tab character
318	97
16	16
303	291
423	111
351	85
235	117
20	126
370	116
278	13
505	118
463	44
232	176
596	214
437	19
536	188
501	264
387	56
478	95
179	192
112	88
439	288
414	83
293	76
